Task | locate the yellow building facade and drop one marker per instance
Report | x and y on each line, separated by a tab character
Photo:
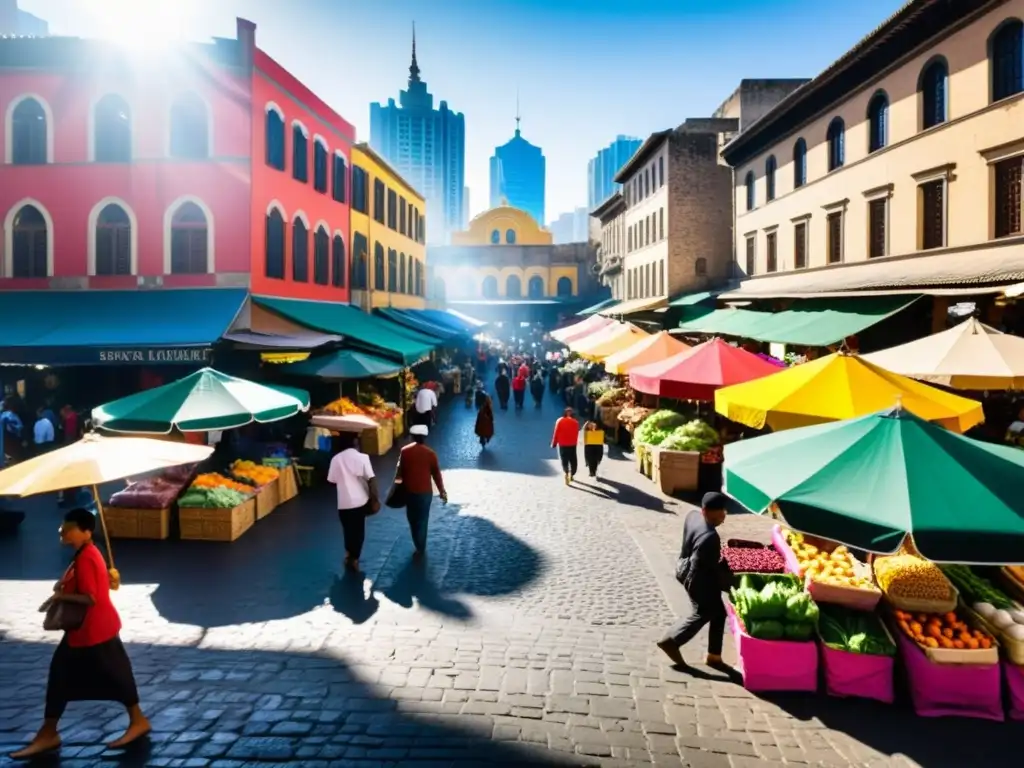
908	178
503	225
388	236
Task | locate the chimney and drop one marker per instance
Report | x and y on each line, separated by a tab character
246	34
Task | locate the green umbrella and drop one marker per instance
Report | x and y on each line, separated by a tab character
870	481
205	400
344	364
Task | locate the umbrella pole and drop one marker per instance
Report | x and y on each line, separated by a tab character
115	577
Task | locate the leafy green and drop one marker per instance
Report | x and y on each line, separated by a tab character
801	608
211	498
656	427
768	629
977	589
854	631
798	630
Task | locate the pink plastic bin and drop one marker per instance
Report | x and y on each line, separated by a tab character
954	690
773	665
1015	684
858	675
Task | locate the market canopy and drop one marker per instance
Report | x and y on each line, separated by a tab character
577	330
971	355
202	401
870	481
595	308
415	322
658	346
696	373
840	386
344	364
608	341
809	323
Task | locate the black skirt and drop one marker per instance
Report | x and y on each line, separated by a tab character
94	673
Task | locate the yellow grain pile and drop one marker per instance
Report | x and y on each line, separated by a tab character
911	577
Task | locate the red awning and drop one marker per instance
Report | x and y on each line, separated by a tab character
696	373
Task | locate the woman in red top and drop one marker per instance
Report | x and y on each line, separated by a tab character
91	663
519	391
567	434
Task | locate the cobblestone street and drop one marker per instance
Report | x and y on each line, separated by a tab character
526	639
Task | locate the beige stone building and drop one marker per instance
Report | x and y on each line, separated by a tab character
611	220
899	168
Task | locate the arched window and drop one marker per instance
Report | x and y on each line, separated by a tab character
535	288
1005	52
490	287
340	178
321	257
275	137
378	267
440	290
878	121
495	237
564	287
410	283
513	287
113	241
359	259
190	131
338	261
510	236
392	270
320	166
112	130
932	85
29	142
700	267
748	183
401	273
275	244
836	137
189	241
769	177
300	250
799	163
29	243
300	152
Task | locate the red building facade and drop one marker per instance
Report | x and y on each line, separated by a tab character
122	172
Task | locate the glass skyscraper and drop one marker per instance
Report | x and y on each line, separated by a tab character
517	176
602	169
427	147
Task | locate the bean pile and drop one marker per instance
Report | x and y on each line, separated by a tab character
761	559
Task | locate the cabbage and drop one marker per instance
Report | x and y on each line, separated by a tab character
700	430
657	427
693	436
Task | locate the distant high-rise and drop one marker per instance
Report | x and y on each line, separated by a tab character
602	169
517	175
14	21
427	147
572	227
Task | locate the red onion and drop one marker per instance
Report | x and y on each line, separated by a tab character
753	559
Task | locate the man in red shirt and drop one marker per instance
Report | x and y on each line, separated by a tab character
567	434
419	470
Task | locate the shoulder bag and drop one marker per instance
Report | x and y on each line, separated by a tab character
63	616
397	497
684	569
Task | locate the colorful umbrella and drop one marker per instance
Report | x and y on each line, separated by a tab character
870	481
350	422
698	372
344	364
652	349
839	386
580	329
205	400
608	341
971	355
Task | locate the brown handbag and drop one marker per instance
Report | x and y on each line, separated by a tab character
62	616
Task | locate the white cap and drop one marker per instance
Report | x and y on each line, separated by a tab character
419	429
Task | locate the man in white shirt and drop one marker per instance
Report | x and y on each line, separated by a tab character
43	433
425	407
352	474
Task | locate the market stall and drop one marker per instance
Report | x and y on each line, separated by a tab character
607	341
386	418
580	329
658	346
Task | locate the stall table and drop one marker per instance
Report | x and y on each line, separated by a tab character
223	524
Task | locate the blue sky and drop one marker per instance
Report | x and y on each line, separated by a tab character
585	70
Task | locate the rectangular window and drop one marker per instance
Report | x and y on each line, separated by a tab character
401	215
834	230
378	200
359	197
800	245
392	209
751	255
1008	197
338	192
661	278
878	225
647	230
771	251
661	223
933	214
629	240
661	171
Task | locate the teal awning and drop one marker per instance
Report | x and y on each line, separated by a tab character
411	320
809	323
692	299
606	304
344	364
455	321
373	333
152	327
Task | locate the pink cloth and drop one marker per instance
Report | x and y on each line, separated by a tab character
773	665
957	690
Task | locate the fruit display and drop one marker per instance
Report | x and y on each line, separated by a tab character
343	406
212	498
834	566
774	607
942	630
375	407
411	385
854	631
987	600
258	474
150	493
909	577
213	480
613	398
752	557
633	416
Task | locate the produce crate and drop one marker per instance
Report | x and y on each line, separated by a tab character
675	470
850	597
1015	687
982	657
610	416
399	425
125	523
287	484
216	524
919	605
1014	648
950	690
858	675
267	499
772	665
377	442
642	453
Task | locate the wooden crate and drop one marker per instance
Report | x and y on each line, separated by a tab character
674	471
124	523
287	485
399	425
267	499
217	524
377	442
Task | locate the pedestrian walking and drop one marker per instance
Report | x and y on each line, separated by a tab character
593	446
567	434
485	422
425	406
43	433
703	576
420	471
352	475
537	388
90	663
502	385
519	390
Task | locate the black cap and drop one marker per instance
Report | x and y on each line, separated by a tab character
713	500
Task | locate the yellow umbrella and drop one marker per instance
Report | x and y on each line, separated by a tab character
94	460
600	345
971	355
658	346
836	387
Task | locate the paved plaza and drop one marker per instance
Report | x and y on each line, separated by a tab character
527	638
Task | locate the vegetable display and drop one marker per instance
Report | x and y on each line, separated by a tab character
695	435
614	397
836	566
774	607
912	577
977	589
753	558
212	480
656	427
599	388
941	630
256	473
854	631
211	498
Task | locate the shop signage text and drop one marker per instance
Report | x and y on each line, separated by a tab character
158	355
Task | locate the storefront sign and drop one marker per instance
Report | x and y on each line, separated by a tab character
158	356
59	356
